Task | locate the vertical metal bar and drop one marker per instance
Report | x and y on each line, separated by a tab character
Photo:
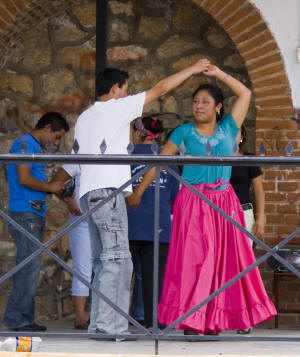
156	253
101	35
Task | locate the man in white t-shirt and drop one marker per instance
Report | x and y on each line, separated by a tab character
108	120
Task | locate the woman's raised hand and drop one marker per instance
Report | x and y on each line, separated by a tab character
212	71
201	65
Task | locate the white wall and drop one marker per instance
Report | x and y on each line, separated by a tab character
283	19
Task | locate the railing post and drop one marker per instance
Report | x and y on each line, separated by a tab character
156	253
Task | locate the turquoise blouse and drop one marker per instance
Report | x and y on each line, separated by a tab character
220	143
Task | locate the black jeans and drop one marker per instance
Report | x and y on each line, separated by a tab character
145	250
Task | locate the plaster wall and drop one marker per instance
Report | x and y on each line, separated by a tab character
283	18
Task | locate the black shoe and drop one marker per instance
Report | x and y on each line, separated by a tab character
243	332
32	327
141	322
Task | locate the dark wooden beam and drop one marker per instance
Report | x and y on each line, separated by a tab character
101	35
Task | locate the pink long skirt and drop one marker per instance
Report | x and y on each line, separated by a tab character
206	251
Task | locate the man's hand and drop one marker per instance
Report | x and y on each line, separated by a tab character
133	200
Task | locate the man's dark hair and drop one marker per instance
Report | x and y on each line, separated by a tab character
107	78
56	120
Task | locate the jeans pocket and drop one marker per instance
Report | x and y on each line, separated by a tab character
113	236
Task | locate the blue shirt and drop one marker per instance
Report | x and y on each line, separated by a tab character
141	221
21	197
220	143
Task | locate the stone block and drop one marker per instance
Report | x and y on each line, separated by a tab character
17	83
127	53
184	16
119	8
235	61
57	83
82	57
118	31
169	104
66	31
144	78
7	249
45	306
153	107
86	14
36	59
187	88
151	28
216	38
176	46
186	61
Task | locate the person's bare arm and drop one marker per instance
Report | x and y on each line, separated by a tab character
26	179
135	198
63	176
241	105
259	228
72	206
167	84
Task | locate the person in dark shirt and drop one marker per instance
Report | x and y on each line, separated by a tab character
141	220
241	179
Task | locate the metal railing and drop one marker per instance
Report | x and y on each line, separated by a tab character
157	161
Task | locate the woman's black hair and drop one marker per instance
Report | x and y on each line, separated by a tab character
243	132
216	93
243	135
151	124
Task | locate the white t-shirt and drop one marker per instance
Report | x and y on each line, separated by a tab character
109	120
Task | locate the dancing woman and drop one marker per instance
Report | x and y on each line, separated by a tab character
206	250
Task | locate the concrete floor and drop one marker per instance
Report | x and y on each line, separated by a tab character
142	347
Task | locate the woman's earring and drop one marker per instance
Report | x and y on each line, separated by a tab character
218	112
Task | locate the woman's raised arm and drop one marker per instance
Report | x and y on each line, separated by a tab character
241	105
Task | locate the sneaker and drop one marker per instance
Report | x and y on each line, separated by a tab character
117	339
34	327
122	339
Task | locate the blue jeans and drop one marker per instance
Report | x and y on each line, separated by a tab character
20	308
80	246
111	260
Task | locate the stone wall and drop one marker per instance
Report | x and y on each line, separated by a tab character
51	67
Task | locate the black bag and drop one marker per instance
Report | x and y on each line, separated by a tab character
290	255
68	189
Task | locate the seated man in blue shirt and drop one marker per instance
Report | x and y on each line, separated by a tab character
27	206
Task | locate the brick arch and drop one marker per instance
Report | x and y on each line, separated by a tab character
275	126
247	29
19	16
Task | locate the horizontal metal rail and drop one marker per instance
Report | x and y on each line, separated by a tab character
108	159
